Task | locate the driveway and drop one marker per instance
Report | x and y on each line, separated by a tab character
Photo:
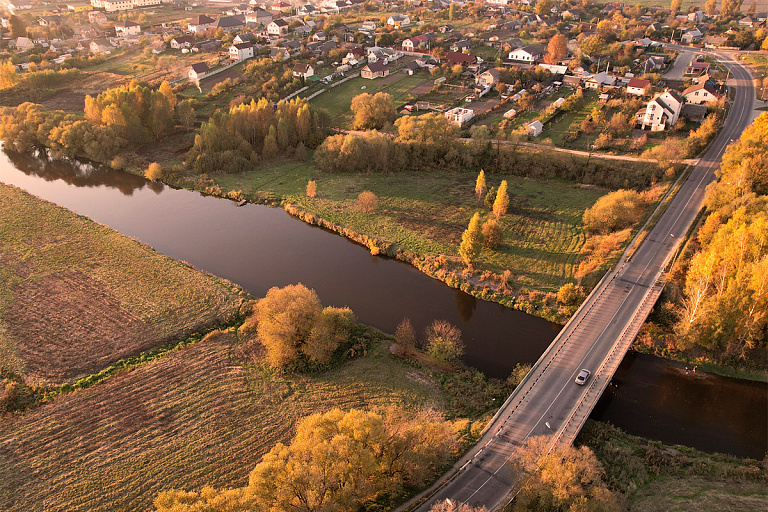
684	58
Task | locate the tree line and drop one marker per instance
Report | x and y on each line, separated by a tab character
233	141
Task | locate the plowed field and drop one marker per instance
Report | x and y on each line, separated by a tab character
76	296
191	418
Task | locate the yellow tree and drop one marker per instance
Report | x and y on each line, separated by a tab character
8	75
557	49
480	187
501	203
471	241
710	7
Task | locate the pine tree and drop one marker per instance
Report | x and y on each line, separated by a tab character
501	203
471	241
480	187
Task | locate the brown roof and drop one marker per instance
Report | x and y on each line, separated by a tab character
460	58
375	67
638	83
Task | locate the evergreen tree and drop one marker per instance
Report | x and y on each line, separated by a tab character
501	203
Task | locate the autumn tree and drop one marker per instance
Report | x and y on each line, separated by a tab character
367	201
16	24
730	8
372	111
592	45
492	234
185	113
480	186
430	128
675	6
311	188
564	478
405	336
9	77
613	211
501	203
295	329
557	49
153	172
543	7
451	506
710	7
471	241
444	341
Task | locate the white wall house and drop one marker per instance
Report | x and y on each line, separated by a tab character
127	28
663	111
636	86
277	27
701	93
459	115
535	128
397	21
200	24
240	51
529	54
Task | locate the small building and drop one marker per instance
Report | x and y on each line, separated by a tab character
245	37
488	78
277	27
374	70
693	112
637	86
97	17
692	36
697	68
398	21
599	80
100	46
200	24
127	28
528	54
461	46
303	70
240	51
198	71
701	93
230	23
259	16
411	68
465	59
509	114
459	116
662	111
181	42
535	128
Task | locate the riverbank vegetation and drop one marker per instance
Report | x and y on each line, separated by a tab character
76	297
716	303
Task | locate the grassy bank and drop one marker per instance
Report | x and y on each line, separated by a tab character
76	296
653	476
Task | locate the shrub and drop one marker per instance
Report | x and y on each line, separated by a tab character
490	198
444	341
492	234
406	336
569	294
367	201
311	188
613	211
153	172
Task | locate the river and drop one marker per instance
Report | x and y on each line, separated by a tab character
259	247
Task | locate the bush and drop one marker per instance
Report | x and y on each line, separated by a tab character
311	188
405	336
444	341
569	294
367	202
492	234
613	212
153	172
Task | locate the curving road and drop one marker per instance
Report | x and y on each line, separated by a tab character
548	402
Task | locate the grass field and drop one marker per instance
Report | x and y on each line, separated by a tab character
427	213
76	296
655	477
194	417
337	99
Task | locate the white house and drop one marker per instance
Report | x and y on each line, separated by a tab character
374	70
97	17
240	51
198	71
488	78
100	46
703	92
398	21
663	110
529	54
277	27
599	80
181	42
19	5
259	16
303	70
459	115
200	24
535	128
692	36
127	28
636	86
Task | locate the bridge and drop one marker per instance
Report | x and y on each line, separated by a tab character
597	337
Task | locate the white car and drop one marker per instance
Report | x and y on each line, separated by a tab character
582	377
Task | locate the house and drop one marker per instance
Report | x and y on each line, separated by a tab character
157	46
101	46
694	112
367	26
306	10
198	71
416	42
208	45
374	70
464	59
461	46
303	70
488	78
259	16
230	23
697	68
529	54
49	21
19	5
319	48
200	24
715	41
181	42
662	111
127	28
397	21
459	115
240	51
696	16
277	27
599	80
24	43
637	86
692	36
383	55
319	36
245	37
97	17
280	6
653	27
701	93
747	21
535	128
282	54
412	67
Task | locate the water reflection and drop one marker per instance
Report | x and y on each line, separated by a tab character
466	304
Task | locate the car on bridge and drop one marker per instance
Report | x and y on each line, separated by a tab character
582	377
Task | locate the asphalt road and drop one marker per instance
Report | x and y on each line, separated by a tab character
547	398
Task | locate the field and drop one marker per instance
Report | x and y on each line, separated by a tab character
76	296
655	477
337	99
427	213
194	417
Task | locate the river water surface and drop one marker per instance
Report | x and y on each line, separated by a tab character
259	247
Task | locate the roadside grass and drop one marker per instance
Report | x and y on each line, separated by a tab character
337	99
654	476
757	61
427	213
76	296
199	416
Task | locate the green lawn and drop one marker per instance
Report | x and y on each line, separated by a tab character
337	99
427	213
487	53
